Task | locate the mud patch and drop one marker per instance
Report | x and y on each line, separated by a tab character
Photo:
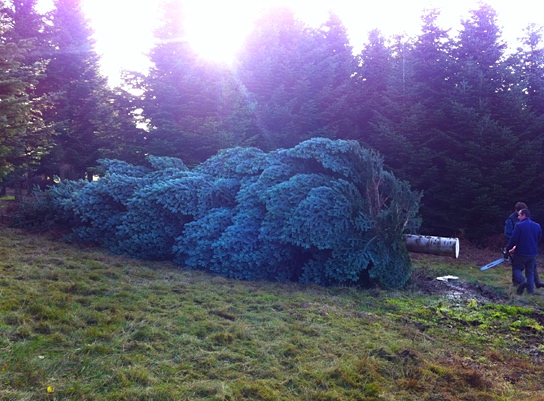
426	282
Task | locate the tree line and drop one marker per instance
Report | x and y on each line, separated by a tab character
458	115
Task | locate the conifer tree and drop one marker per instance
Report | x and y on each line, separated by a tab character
331	73
479	51
14	108
430	62
194	107
297	77
126	138
266	69
526	94
24	138
322	212
371	81
392	123
528	61
81	112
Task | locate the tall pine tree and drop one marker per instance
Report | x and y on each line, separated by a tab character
81	112
24	137
194	107
431	62
297	77
527	95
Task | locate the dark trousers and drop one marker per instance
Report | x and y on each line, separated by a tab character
537	279
527	263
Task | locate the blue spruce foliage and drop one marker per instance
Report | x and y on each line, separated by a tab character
322	212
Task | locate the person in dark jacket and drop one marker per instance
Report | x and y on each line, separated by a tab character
513	219
524	246
509	225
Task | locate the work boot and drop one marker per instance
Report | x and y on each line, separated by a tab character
521	288
539	285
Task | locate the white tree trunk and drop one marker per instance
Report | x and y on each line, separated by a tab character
432	245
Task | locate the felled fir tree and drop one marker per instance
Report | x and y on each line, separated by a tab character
322	212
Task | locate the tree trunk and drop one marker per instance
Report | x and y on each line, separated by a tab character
432	245
18	188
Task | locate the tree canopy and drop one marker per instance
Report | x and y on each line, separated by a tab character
458	115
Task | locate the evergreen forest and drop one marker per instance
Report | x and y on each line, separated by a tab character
459	116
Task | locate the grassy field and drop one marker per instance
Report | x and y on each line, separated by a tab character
79	324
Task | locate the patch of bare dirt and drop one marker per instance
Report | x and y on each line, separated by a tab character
426	282
474	255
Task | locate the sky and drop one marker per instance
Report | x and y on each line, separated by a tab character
217	28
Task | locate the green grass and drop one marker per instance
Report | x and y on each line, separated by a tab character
79	324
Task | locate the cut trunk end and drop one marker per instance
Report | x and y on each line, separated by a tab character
432	245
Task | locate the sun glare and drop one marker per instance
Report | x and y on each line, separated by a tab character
216	30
